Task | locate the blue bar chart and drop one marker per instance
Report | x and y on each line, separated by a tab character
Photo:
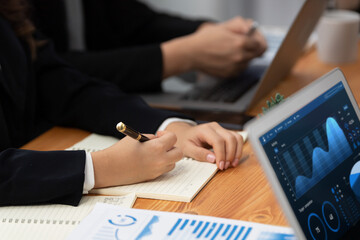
207	230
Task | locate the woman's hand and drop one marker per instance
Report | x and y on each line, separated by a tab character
196	142
129	161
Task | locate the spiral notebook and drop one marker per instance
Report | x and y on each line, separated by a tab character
51	221
180	184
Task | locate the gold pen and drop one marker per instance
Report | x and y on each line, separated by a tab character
128	131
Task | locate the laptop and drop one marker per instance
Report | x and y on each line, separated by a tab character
252	84
309	148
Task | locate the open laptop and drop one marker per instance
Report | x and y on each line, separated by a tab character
252	84
309	147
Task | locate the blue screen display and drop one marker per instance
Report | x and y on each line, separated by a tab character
315	154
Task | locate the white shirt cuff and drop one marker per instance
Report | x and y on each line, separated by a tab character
171	120
89	181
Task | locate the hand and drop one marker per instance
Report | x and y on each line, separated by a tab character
225	49
129	161
242	26
196	142
221	50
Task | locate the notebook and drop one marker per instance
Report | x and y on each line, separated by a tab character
51	221
309	147
259	78
181	184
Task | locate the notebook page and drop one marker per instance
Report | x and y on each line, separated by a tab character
94	142
51	221
181	184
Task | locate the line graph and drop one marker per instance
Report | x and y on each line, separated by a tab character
310	159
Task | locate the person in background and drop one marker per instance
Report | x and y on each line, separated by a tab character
135	47
39	90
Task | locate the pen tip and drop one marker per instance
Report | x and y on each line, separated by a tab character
120	127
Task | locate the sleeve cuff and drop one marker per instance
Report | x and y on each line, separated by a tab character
89	181
171	120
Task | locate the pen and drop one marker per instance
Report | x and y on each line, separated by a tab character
253	28
128	131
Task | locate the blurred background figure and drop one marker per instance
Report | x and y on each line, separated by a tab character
131	44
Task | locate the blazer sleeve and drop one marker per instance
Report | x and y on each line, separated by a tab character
116	23
132	69
70	98
34	177
123	43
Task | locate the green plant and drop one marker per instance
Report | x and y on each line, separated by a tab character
272	102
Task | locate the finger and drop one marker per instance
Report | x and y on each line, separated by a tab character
150	136
245	56
230	145
167	139
239	148
160	133
200	154
174	155
259	37
249	24
217	142
238	25
250	43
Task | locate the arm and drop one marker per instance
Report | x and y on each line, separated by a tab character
116	23
119	65
32	177
70	98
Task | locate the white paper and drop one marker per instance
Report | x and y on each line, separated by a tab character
107	222
51	221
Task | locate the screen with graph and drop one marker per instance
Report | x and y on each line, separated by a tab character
315	155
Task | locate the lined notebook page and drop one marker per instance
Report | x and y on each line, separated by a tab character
51	221
181	184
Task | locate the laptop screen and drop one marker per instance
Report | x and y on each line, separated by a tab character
315	155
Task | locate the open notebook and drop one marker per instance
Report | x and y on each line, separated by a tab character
51	221
180	184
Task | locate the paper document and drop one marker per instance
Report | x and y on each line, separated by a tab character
181	184
51	221
108	222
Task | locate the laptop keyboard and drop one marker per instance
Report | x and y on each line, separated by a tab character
226	91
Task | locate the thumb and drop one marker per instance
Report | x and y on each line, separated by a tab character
201	154
238	25
160	133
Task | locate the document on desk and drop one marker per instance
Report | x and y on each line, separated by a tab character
107	222
181	184
51	221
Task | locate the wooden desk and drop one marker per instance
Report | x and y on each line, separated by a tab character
239	193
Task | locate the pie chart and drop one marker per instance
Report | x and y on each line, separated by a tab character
355	180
